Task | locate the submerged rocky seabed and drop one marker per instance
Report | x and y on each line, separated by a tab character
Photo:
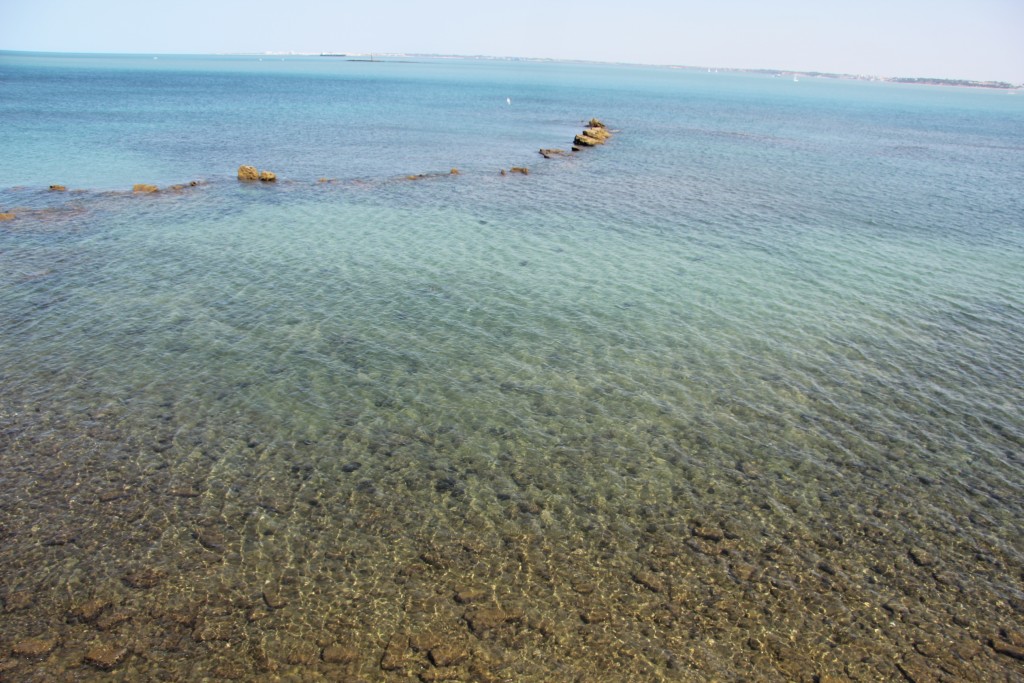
140	542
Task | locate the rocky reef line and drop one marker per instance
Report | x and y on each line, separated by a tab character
594	133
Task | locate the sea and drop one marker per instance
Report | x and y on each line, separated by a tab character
735	396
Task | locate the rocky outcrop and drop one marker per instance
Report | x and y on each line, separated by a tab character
58	188
520	169
184	186
596	133
6	217
248	173
548	153
142	188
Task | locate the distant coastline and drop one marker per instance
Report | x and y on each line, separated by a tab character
957	82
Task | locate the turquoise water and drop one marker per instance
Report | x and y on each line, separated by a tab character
735	396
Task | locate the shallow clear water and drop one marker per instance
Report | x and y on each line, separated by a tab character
734	396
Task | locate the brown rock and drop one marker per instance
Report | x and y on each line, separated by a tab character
520	169
454	171
595	616
143	578
6	217
105	656
548	153
208	630
58	188
708	533
591	137
35	648
112	620
922	557
273	599
142	188
469	594
339	654
89	611
268	177
16	600
649	580
394	656
432	675
424	641
448	654
1007	649
211	540
248	173
483	620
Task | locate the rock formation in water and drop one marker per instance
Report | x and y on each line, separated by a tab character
58	188
6	217
596	133
142	188
248	173
268	177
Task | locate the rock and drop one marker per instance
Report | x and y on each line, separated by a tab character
485	619
454	171
443	674
548	153
143	578
595	135
503	172
89	611
273	599
596	123
268	177
18	600
394	656
112	620
211	540
248	173
649	580
339	654
743	571
184	186
1007	649
351	466
35	648
520	169
6	217
448	654
58	188
105	656
922	557
424	641
595	616
142	188
469	594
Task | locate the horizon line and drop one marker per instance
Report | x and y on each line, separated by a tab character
324	53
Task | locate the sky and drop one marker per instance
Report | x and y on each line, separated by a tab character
969	39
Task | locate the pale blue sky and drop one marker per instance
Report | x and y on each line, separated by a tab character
975	39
